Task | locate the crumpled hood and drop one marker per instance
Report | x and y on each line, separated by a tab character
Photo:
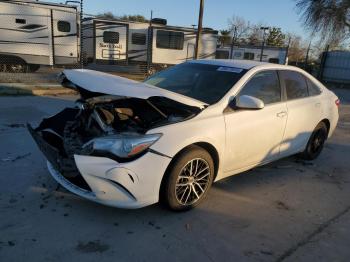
98	82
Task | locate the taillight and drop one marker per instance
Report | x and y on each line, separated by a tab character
337	102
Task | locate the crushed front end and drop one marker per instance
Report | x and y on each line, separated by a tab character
101	148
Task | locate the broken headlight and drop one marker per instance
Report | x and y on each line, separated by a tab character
122	146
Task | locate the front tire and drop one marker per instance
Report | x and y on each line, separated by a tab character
188	179
316	142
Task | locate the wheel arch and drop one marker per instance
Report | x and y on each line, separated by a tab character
204	145
327	123
8	59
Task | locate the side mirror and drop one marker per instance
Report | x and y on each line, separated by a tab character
248	102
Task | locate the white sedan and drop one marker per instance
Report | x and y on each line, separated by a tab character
129	144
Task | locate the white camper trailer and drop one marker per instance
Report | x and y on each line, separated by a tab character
161	44
271	54
105	41
37	33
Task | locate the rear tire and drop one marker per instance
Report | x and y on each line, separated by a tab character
2	68
18	68
33	68
188	179
316	142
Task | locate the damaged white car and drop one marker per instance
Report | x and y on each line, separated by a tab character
129	144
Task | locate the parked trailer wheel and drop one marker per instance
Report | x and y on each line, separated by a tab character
17	68
2	68
33	68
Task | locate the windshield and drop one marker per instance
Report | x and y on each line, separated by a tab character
206	83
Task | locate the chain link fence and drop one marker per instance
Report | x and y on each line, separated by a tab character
38	40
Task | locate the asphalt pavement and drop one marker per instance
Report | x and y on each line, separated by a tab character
289	210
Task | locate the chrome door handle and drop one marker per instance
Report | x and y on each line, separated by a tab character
282	114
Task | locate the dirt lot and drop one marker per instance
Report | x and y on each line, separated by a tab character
285	211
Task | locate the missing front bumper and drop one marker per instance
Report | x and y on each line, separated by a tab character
58	162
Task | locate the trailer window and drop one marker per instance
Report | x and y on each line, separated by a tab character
20	21
170	40
221	54
138	39
111	37
63	26
274	60
249	56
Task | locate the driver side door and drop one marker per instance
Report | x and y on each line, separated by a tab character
254	136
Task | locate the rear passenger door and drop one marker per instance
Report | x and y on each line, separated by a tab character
304	111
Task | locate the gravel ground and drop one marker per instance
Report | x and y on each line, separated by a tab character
285	211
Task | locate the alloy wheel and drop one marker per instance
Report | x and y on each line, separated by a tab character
193	181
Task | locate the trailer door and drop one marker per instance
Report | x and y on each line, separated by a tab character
65	37
111	41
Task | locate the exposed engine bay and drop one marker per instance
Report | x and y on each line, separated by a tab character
105	125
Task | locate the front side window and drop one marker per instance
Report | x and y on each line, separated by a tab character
295	84
170	40
63	26
207	83
265	86
111	37
138	39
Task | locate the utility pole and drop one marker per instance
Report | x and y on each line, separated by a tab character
233	41
287	51
199	29
149	45
81	34
307	55
263	44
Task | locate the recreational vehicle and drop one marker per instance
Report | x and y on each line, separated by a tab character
275	55
36	33
115	41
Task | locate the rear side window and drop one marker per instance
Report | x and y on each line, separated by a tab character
138	39
265	86
170	40
63	26
111	37
295	84
314	90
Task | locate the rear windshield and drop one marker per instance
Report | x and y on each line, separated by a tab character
206	83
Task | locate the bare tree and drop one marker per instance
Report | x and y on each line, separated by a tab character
255	35
331	18
297	49
134	18
239	28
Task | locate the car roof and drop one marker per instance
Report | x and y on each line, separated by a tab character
243	64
